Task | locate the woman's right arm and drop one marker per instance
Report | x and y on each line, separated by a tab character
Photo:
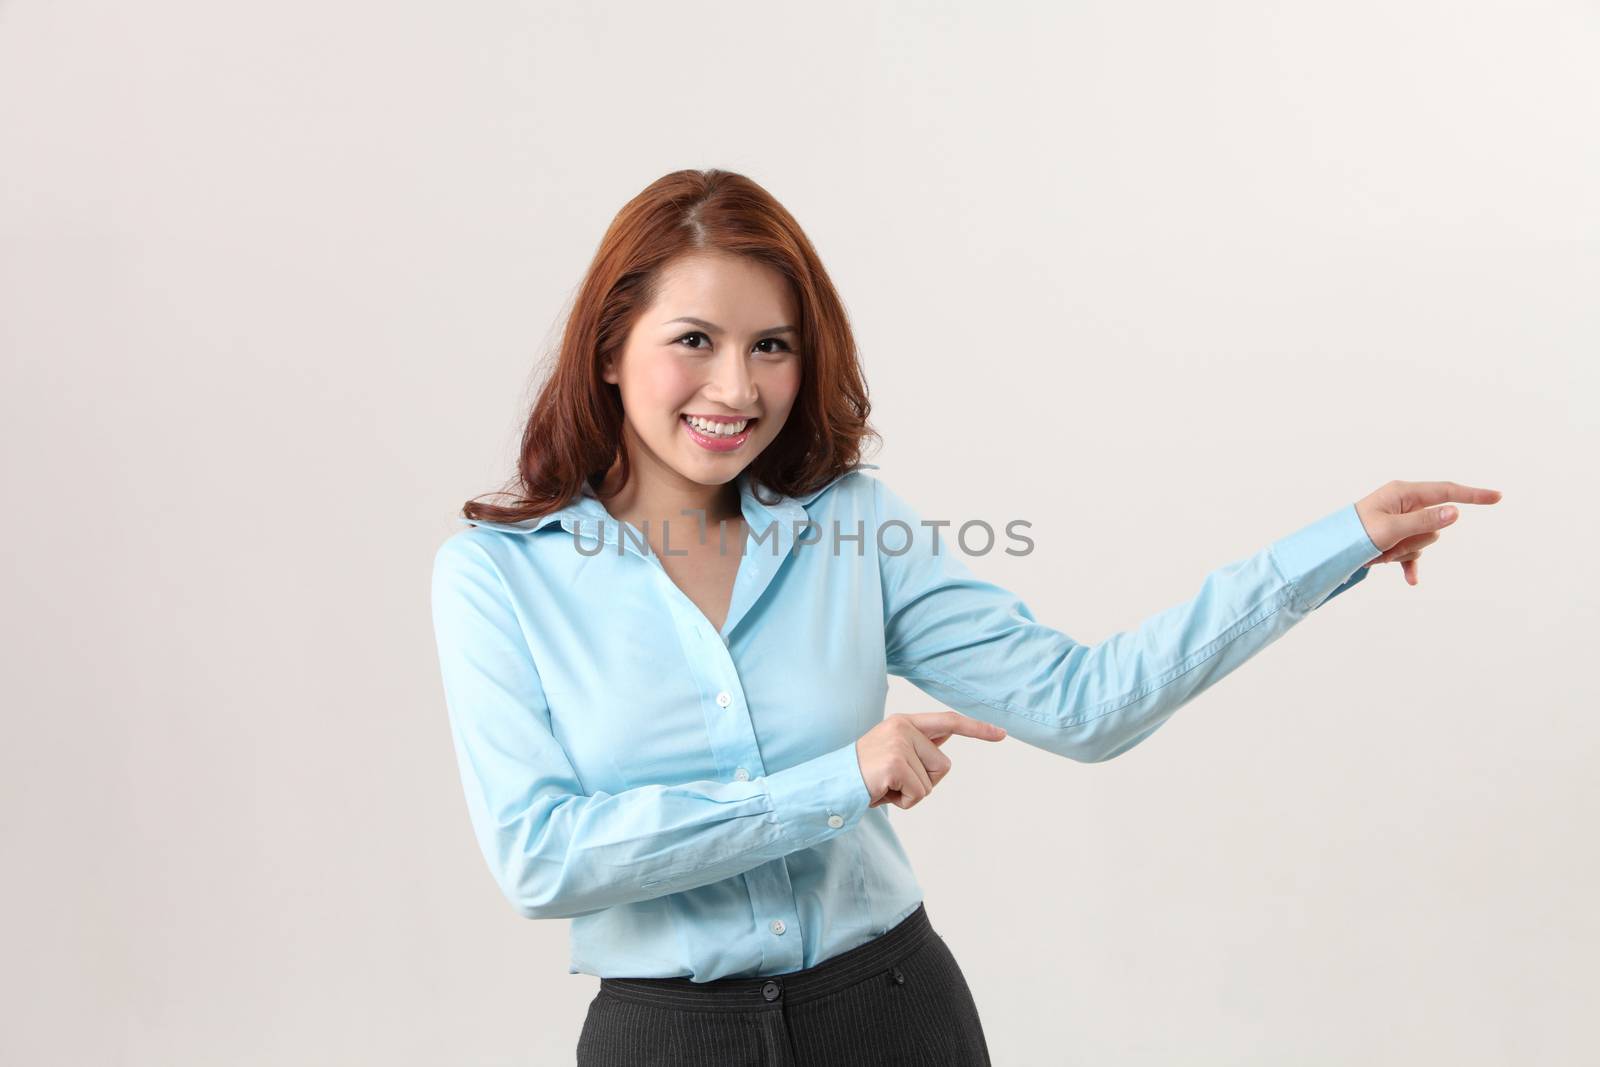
557	851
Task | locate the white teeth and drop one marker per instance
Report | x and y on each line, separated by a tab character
719	429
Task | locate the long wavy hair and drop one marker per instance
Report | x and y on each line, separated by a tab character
574	431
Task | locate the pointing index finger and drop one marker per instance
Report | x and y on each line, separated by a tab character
1429	493
940	725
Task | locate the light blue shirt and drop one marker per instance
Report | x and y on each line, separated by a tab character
690	797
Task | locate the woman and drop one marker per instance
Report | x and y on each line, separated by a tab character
665	660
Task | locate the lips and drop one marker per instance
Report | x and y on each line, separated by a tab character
717	442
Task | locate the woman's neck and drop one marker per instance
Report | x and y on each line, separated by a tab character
671	499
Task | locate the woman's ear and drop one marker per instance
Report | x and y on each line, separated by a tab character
608	370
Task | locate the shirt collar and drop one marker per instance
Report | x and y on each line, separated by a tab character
587	514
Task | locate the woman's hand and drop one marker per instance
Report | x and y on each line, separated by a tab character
1401	520
900	758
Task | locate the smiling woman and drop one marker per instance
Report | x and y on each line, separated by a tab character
686	750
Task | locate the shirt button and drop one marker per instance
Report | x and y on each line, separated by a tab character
835	821
723	699
742	775
777	926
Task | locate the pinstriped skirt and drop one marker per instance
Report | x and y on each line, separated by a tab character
898	999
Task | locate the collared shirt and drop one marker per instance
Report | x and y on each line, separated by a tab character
690	796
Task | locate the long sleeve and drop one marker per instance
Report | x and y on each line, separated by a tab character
557	851
978	648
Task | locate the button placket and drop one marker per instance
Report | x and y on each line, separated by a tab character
732	726
731	731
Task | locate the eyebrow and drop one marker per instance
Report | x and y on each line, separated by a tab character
714	328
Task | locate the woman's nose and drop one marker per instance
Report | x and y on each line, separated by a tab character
732	381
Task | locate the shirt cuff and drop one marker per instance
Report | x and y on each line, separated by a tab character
1318	558
820	798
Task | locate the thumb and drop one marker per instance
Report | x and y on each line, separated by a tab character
1426	520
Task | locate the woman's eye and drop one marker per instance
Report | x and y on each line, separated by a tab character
776	341
695	333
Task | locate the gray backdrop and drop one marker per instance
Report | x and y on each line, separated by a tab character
1168	280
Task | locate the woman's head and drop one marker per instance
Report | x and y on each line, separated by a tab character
715	247
710	370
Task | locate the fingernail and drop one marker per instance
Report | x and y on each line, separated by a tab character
1446	514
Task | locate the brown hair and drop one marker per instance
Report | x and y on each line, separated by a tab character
574	432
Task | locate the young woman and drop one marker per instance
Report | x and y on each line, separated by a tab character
665	658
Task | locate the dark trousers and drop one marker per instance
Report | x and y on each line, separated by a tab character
898	999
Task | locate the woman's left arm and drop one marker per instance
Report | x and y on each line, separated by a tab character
978	648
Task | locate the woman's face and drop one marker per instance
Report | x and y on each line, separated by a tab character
736	365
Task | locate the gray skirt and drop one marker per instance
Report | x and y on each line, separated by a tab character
898	999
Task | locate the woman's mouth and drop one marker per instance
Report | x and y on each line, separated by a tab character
713	434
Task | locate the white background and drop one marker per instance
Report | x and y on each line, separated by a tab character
1168	280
